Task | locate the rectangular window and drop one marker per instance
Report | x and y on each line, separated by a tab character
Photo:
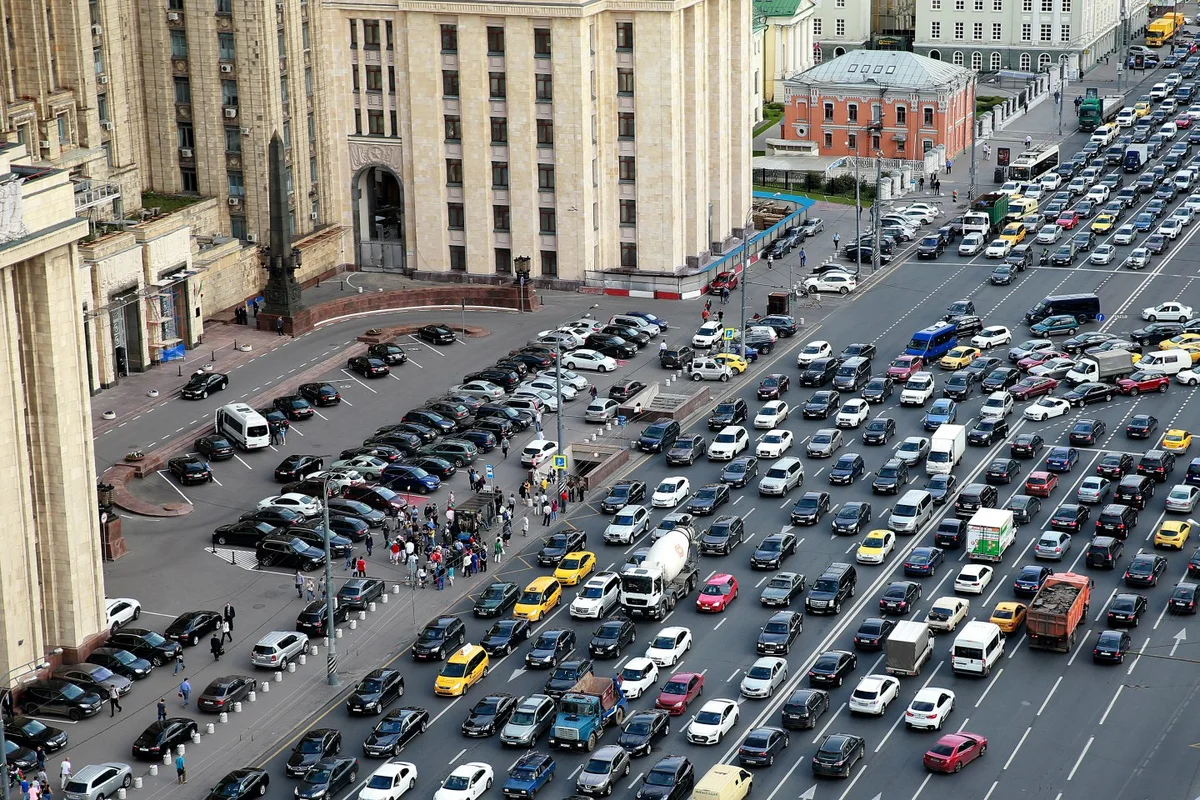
449	38
374	78
928	112
186	134
1064	33
960	30
839	27
375	122
305	37
852	112
1026	32
178	44
454	172
977	31
997	31
175	5
625	82
997	5
935	30
545	133
979	5
233	139
395	126
547	222
501	219
187	180
901	115
183	90
458	258
629	255
625	127
828	112
229	93
828	140
1027	6
852	141
495	40
817	26
238	227
541	43
237	184
224	6
960	5
370	34
456	218
499	174
389	34
546	177
1047	5
503	261
450	82
499	130
225	48
391	79
935	5
628	212
102	107
453	128
1066	6
549	263
1045	31
497	85
353	34
624	35
626	169
544	87
354	83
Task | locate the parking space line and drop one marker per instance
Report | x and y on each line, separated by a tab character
350	375
173	486
244	464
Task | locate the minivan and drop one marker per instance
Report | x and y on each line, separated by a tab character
835	585
911	512
976	650
1170	362
277	648
852	374
1083	307
782	476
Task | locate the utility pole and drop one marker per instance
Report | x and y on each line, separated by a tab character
744	282
875	207
330	631
857	214
974	124
1062	86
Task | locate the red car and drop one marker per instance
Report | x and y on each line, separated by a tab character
1032	386
718	593
954	751
1068	219
1143	381
772	386
724	280
681	689
1039	358
903	367
1183	122
1041	483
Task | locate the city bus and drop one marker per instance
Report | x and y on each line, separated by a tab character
1032	164
933	342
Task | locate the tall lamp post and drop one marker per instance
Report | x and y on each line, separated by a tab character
857	212
331	651
40	664
745	266
1062	89
522	266
559	481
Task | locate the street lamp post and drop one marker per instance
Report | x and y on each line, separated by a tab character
560	474
1062	85
331	651
41	664
745	267
857	213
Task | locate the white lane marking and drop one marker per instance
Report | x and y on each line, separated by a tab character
1016	749
352	377
1112	702
173	486
992	683
1137	660
1048	696
821	735
244	464
1079	760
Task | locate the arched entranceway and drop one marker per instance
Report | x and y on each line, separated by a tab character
378	203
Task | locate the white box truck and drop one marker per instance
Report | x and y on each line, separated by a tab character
946	449
989	533
1102	367
908	647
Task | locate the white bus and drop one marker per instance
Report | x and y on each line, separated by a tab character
244	426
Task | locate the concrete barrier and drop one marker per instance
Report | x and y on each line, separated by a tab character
252	697
278	678
153	771
195	738
180	749
303	659
338	633
312	651
266	686
292	666
137	782
371	608
395	588
362	615
167	759
383	597
353	626
210	728
121	793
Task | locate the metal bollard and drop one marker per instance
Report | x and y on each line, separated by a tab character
362	615
278	677
210	728
303	659
353	625
292	667
383	599
338	633
266	686
371	608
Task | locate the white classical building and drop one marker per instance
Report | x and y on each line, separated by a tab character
839	26
788	45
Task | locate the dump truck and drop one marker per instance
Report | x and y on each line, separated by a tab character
987	214
946	449
1095	110
586	710
908	647
668	574
989	533
1162	30
1058	610
1105	366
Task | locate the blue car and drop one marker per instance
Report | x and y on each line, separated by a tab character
943	412
1030	579
1062	459
1143	222
407	478
531	772
652	319
924	561
1059	323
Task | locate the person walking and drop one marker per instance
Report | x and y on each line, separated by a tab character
949	166
283	429
503	448
162	708
179	665
214	645
279	331
181	767
554	510
33	790
498	550
41	752
362	567
725	296
349	558
1028	141
803	258
299	585
64	769
185	691
229	614
921	183
226	632
310	589
369	542
483	558
563	496
395	550
114	705
703	318
546	515
525	527
837	237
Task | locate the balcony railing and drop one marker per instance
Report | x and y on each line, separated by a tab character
89	194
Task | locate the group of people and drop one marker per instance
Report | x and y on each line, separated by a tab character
37	786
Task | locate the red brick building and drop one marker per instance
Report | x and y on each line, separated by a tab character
917	103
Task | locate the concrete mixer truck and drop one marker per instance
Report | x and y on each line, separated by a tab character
668	574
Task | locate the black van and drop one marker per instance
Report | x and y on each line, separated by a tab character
1083	307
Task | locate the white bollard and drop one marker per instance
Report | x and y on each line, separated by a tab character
303	659
338	633
383	599
224	718
362	615
210	728
166	759
195	738
265	686
278	677
292	667
395	588
237	708
137	782
312	651
180	749
353	625
324	641
153	771
371	607
252	697
121	794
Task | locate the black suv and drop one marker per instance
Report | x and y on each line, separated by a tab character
658	436
973	497
836	585
60	698
1135	490
1116	520
729	412
721	537
676	357
439	638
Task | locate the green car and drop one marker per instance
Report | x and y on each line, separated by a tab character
1059	323
458	452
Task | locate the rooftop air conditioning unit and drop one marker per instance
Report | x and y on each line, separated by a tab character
97	30
235	201
231	113
227	68
103	79
106	125
173	16
186	152
252	238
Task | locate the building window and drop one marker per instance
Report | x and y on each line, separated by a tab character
977	61
308	81
178	44
458	258
225	48
233	139
1066	6
935	5
186	134
1064	33
541	43
353	35
549	263
960	5
997	5
1045	31
187	180
1025	62
852	141
959	30
449	38
626	169
839	28
828	141
841	3
501	219
544	87
979	5
499	130
1043	62
374	78
816	26
546	177
237	184
977	31
354	85
495	40
625	82
238	228
503	261
370	34
305	37
828	112
1047	5
545	133
852	112
547	221
928	116
901	115
456	218
224	6
624	35
1027	6
453	128
391	80
997	31
449	82
499	174
102	107
625	126
935	30
375	122
629	255
497	86
628	212
454	172
183	90
1026	32
229	93
926	145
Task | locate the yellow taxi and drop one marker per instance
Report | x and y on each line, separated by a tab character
1177	341
1142	107
465	668
1014	232
575	567
733	361
1177	440
1192	349
876	547
539	598
1009	616
1103	223
959	357
1173	533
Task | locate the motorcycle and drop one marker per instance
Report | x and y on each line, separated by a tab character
1044	259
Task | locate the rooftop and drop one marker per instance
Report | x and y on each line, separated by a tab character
884	69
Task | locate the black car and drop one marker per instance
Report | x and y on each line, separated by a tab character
968	325
241	784
1156	464
612	635
32	733
356	510
388	353
566	675
773	386
506	379
1145	570
707	499
879	431
202	384
899	597
1126	610
1088	393
1115	465
380	451
890	477
772	550
809	508
642	730
783	324
975	496
1070	517
190	470
819	372
1141	426
1030	579
327	776
1111	647
377	690
439	638
1116	520
557	545
878	389
489	715
982	366
1026	445
161	736
832	668
434	465
121	662
1002	470
658	436
320	394
851	518
1087	432
149	645
687	449
550	648
872	633
222	693
941	488
313	618
1024	507
762	745
294	407
622	493
214	447
298	466
1000	379
924	561
958	385
729	412
500	427
189	628
1134	490
1154	332
779	632
838	754
311	748
1183	599
1081	341
740	471
931	247
504	636
804	708
723	535
275	516
672	778
436	334
822	404
357	593
496	599
847	469
314	537
987	432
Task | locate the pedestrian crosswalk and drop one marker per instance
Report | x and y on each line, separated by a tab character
239	558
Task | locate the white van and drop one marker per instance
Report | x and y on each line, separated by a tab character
243	426
977	649
1170	362
911	512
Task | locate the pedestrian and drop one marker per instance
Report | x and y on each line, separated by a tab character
483	558
185	691
708	304
662	348
837	237
592	391
546	515
503	448
279	331
1028	141
41	753
310	589
395	550
498	550
450	574
283	429
114	705
524	527
803	258
179	665
703	318
563	496
349	558
512	504
770	260
725	296
362	567
64	769
33	790
474	568
254	307
229	613
162	708
324	590
921	182
554	510
180	769
369	542
721	317
226	631
1057	96
299	585
214	645
438	581
949	166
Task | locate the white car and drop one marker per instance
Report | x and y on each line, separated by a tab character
550	385
1098	194
1047	407
602	409
1183	214
973	578
1170	228
1126	234
764	676
1053	366
874	694
998	405
729	441
1049	234
774	443
1033	191
669	645
992	336
1126	118
638	675
467	782
854	412
947	612
601	594
120	611
812	351
1188	377
918	389
537	451
589	360
773	414
369	467
1078	186
390	781
840	282
998	248
627	524
483	389
549	400
300	503
1011	188
569	378
1104	254
709	335
1050	181
1193	202
714	719
929	708
934	211
339	478
875	549
972	244
1168	312
671	492
1183	497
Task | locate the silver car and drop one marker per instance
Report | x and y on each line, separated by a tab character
533	717
912	450
1094	489
824	443
99	780
1052	545
765	675
603	769
1183	497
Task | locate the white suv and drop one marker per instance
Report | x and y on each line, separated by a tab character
917	390
729	441
597	597
709	369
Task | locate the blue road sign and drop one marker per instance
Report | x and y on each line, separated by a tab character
621	420
487	472
1099	318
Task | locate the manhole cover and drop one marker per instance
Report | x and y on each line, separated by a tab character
258	606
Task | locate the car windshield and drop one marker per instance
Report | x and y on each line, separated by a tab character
845	462
311	746
725	408
664	642
389	726
771	545
776	627
717	588
675	687
942	749
822	438
370	685
459	782
808	503
660	778
826	663
633	674
454	669
708	717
